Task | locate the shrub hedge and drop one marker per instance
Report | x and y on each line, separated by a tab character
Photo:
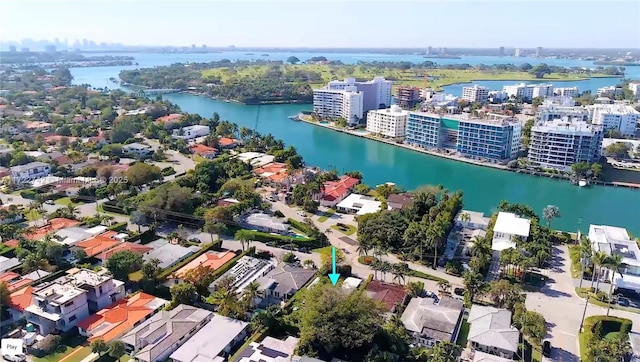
299	225
283	240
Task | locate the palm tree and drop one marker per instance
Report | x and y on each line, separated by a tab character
34	263
227	302
71	210
243	237
549	213
465	217
599	260
444	286
251	292
613	263
398	272
586	252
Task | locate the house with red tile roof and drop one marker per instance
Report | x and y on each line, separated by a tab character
53	226
56	139
168	121
212	260
19	301
226	142
335	191
277	174
125	246
117	319
203	150
390	295
99	243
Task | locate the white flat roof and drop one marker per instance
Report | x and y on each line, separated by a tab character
509	223
615	240
363	204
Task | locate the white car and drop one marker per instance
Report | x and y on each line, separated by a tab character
302	213
14	358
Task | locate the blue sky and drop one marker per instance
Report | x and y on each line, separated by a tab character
452	23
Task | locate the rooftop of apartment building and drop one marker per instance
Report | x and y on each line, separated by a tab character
491	118
58	293
394	110
88	277
615	108
567	126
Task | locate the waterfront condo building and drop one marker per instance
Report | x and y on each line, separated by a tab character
558	144
408	97
496	138
424	130
616	241
391	122
617	117
344	103
376	93
476	93
634	87
526	92
610	91
566	91
548	111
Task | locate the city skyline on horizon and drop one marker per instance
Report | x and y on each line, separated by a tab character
479	25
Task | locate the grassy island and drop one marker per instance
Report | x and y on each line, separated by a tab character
268	82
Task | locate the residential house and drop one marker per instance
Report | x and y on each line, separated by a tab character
216	339
125	246
491	331
256	159
72	235
55	139
359	204
8	263
20	300
472	220
275	173
37	126
433	320
117	319
265	223
508	230
169	120
137	149
351	283
282	282
390	295
53	226
335	191
10	214
159	336
168	254
485	357
203	151
191	132
613	240
399	201
56	308
100	243
101	289
30	171
228	143
246	270
269	350
213	260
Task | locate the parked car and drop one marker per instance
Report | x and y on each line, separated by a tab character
304	250
302	213
49	202
458	291
195	240
546	349
14	358
622	301
287	247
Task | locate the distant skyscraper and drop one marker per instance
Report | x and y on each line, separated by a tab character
501	51
24	50
517	52
12	48
429	50
538	51
50	49
443	50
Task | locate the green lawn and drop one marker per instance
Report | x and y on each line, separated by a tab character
582	337
350	229
198	158
64	201
326	250
136	276
63	352
326	215
32	215
463	335
583	293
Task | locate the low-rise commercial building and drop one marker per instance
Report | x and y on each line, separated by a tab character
559	144
475	93
335	104
391	122
613	240
619	117
497	138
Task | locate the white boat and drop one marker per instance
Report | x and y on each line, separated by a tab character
582	183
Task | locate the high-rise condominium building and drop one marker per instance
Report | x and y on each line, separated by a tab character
526	92
408	97
376	93
391	122
558	144
496	138
476	93
333	104
619	117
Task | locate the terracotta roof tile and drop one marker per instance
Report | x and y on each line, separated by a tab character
22	298
136	248
335	190
54	225
211	260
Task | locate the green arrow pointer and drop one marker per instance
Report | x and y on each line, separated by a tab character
334	276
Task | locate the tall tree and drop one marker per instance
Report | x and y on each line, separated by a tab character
549	213
613	263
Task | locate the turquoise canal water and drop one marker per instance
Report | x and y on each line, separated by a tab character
483	187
